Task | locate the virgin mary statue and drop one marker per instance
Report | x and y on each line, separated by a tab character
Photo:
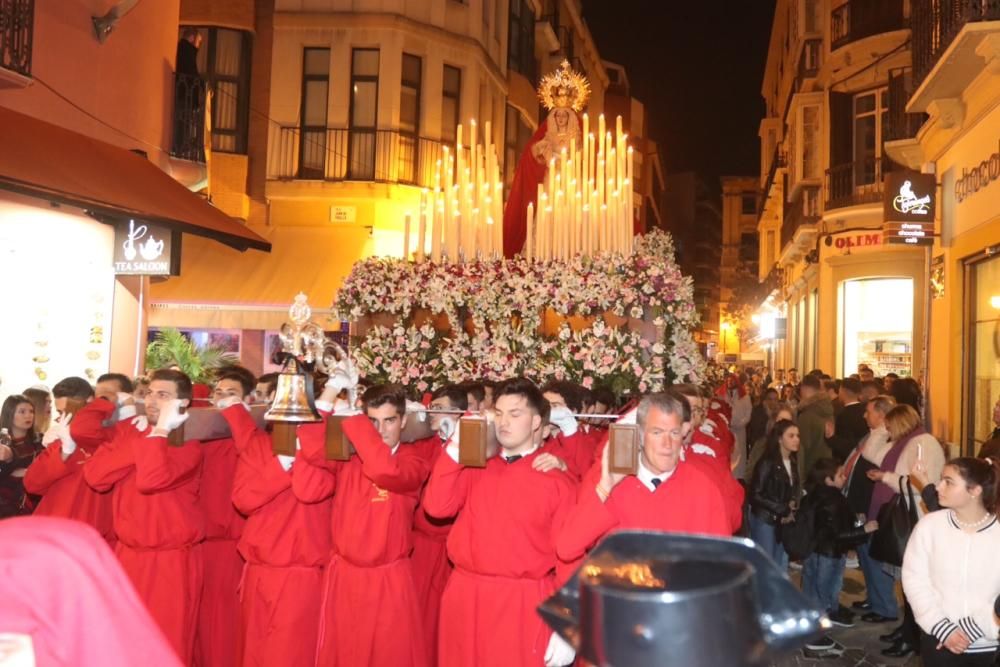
564	93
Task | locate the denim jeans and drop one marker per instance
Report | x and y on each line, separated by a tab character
881	585
766	536
822	579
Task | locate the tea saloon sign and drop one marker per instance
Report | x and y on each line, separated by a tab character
146	249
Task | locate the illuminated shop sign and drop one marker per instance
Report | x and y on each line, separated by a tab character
975	179
144	249
909	208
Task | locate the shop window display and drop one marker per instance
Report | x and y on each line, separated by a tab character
985	348
877	317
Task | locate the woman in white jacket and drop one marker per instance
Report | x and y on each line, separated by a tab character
950	573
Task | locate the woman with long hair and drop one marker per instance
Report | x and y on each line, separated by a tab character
950	574
17	416
41	398
775	489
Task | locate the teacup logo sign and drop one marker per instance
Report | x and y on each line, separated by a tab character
142	249
908	203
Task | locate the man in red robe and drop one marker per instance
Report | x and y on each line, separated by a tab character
574	445
285	543
370	612
57	474
667	494
502	543
157	518
431	567
218	615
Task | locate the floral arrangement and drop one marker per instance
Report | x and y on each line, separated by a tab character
505	301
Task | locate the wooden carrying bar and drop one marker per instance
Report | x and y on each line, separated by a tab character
623	439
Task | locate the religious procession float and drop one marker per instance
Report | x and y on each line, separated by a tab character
554	284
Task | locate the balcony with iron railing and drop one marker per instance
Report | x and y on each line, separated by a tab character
809	60
802	210
341	154
189	118
17	19
855	183
899	124
857	19
936	24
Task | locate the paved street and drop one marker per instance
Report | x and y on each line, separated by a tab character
861	642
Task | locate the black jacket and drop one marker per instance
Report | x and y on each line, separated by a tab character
771	490
859	488
850	428
835	524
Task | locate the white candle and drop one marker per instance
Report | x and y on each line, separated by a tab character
406	236
529	242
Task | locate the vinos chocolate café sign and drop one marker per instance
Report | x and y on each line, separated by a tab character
975	179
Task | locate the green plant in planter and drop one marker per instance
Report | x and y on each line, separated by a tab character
171	348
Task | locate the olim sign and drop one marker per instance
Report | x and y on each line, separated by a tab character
145	249
908	208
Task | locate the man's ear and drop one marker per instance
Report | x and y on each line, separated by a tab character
402	421
89	399
686	428
185	402
536	423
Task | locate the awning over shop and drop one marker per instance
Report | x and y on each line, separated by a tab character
222	289
47	161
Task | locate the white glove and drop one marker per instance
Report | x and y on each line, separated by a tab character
564	419
126	406
417	410
285	462
125	398
629	417
343	376
140	423
171	416
451	444
559	653
230	401
448	428
54	431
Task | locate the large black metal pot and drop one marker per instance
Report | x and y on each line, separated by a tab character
645	598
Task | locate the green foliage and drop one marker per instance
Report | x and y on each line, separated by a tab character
171	348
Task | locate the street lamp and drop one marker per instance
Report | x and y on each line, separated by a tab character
726	326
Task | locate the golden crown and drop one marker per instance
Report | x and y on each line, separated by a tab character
564	87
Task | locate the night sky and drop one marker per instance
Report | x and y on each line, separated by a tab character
698	67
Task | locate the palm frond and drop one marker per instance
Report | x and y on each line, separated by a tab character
171	348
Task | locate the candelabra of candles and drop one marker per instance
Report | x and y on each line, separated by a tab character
463	213
585	204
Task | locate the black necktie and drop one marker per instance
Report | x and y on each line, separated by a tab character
511	459
656	481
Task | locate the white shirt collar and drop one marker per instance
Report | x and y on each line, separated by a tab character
504	455
851	403
646	476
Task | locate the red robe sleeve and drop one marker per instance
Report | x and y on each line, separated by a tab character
160	467
241	425
87	426
49	468
259	477
586	523
313	477
448	488
402	472
110	463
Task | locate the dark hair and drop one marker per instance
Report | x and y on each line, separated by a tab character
570	393
189	33
816	373
7	413
455	393
894	376
270	379
124	382
586	397
906	391
385	394
990	449
773	446
811	381
73	387
477	389
870	384
831	384
771	390
822	470
984	473
528	390
851	386
238	374
605	396
180	380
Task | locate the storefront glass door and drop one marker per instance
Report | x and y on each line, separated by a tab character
984	349
877	317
